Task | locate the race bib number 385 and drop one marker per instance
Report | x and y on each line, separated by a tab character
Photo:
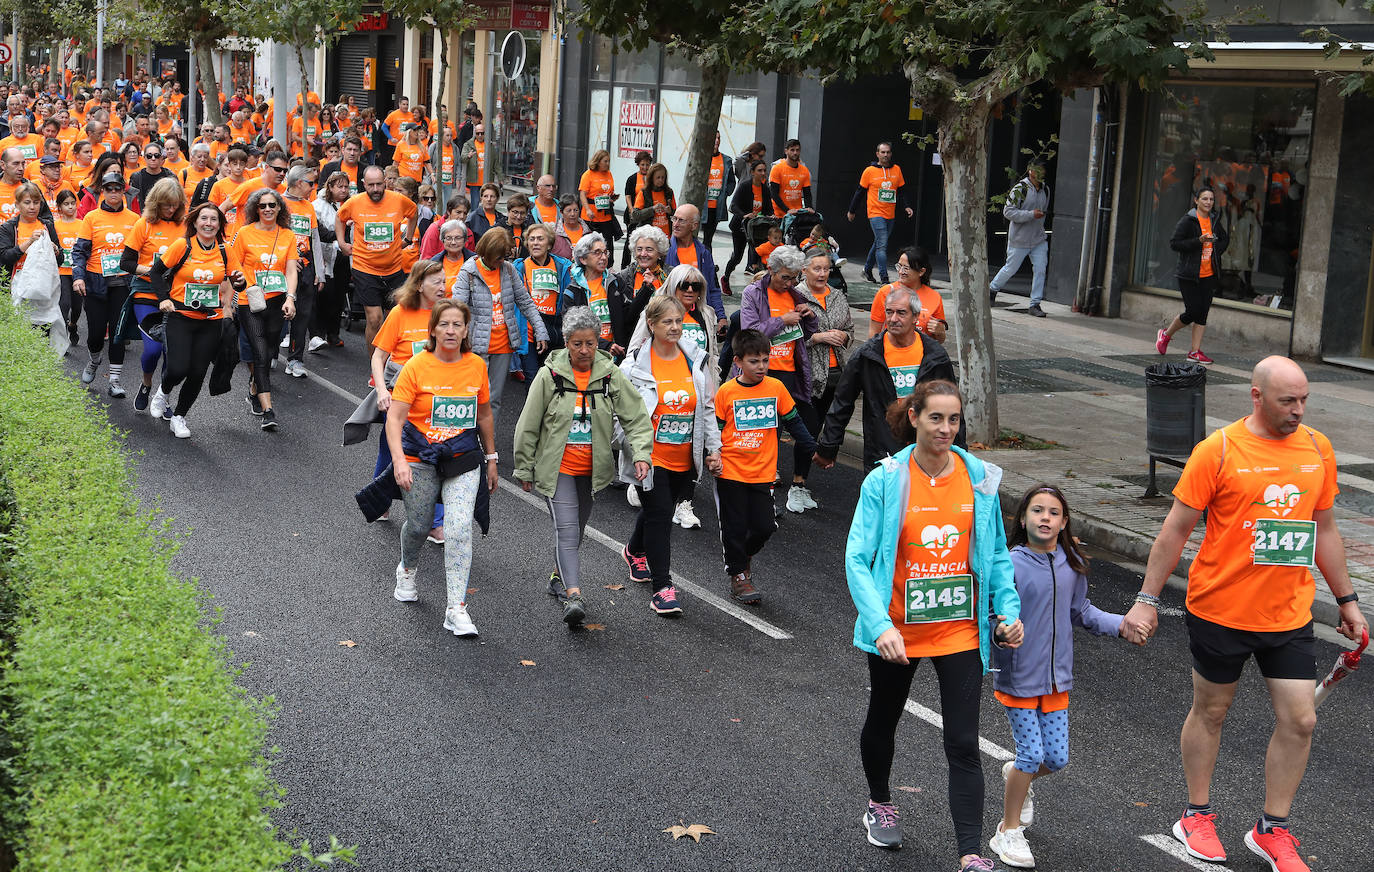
1285	543
379	231
934	600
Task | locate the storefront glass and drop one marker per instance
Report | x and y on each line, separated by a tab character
520	116
1250	143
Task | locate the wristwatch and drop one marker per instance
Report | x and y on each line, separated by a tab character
1348	598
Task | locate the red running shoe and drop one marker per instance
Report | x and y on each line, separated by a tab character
1199	357
1198	833
1278	847
1162	342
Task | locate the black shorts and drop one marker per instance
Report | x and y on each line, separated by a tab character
370	290
1219	652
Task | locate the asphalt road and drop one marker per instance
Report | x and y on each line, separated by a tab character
437	753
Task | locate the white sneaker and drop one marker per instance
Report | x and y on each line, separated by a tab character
295	369
316	343
684	517
116	389
157	405
286	343
1027	807
799	499
88	374
1011	846
458	622
405	591
179	428
632	496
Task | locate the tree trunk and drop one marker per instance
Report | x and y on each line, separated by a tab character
440	189
205	65
693	188
300	66
963	151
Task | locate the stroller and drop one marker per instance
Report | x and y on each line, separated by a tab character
796	226
756	234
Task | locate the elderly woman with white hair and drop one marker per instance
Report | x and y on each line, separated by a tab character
454	236
774	307
563	442
603	292
646	274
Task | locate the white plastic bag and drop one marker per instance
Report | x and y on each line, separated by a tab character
37	289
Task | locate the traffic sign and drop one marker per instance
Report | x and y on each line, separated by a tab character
513	55
6	55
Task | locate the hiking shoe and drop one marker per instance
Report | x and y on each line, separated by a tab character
179	428
868	276
556	589
742	589
88	374
1035	311
316	343
1199	357
1162	342
269	420
254	405
1028	806
458	622
1011	846
157	403
1278	848
638	563
141	398
405	591
799	499
882	825
1198	833
665	601
632	497
116	389
684	517
573	612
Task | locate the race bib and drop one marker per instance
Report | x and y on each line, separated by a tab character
887	196
904	379
694	331
109	265
602	202
674	429
201	295
580	433
446	176
300	224
67	258
379	231
713	192
1285	543
272	281
602	310
417	346
788	334
29	151
935	600
544	289
453	413
760	413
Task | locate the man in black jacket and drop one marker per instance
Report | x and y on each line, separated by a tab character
868	374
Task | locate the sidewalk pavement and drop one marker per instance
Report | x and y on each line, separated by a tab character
1079	382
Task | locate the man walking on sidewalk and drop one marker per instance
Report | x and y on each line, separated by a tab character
880	192
1268	484
1027	205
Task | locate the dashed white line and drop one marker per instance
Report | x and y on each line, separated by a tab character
1171	846
930	716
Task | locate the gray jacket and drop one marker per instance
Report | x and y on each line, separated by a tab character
1024	229
513	293
705	432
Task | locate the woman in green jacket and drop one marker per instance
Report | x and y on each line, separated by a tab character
563	441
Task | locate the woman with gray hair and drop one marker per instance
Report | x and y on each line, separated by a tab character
603	292
563	441
648	249
774	307
454	236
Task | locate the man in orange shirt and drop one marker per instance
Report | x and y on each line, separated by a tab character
398	116
377	218
1268	485
11	177
29	145
790	181
880	189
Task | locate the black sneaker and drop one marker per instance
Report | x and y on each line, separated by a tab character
556	589
141	398
269	420
255	405
1035	311
868	276
639	565
573	612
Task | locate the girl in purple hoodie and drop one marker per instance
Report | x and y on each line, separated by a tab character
1034	680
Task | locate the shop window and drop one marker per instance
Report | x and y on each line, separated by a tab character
1250	143
599	67
640	68
681	70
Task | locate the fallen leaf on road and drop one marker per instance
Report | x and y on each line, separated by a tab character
348	643
528	663
1142	805
696	831
249	633
593	626
909	789
734	720
614	586
472	590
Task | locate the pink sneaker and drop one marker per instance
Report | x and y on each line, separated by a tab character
1199	357
1162	342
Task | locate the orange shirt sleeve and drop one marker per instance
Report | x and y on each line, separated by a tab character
1198	482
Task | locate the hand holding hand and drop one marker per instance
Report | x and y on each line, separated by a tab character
1140	623
822	462
714	464
1011	633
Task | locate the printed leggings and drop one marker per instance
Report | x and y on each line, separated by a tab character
1041	737
460	496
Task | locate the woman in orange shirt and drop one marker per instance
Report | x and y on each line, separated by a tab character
597	192
655	203
24	229
1200	241
266	247
163	220
913	273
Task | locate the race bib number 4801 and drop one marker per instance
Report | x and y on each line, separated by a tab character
1285	543
453	413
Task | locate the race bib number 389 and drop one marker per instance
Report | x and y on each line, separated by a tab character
1285	543
674	429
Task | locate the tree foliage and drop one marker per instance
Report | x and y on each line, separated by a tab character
1336	45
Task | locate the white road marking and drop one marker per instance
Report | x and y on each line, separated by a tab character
930	716
733	610
1172	847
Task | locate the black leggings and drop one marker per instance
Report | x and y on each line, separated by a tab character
71	304
655	522
305	310
961	690
190	346
102	315
609	230
708	226
1197	298
741	244
264	334
329	303
746	521
801	460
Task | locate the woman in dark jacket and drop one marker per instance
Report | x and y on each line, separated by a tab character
754	196
30	208
1199	240
591	256
483	216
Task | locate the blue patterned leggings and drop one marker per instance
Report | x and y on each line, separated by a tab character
460	495
1041	737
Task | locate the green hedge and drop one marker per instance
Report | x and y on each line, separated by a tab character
131	746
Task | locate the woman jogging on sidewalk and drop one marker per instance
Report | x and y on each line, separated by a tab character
1200	242
926	584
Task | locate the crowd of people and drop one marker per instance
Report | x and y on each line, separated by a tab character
229	247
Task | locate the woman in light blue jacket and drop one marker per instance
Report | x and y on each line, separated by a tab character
928	570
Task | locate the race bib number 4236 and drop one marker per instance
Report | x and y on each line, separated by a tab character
756	414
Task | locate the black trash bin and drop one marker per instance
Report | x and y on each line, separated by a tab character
1175	413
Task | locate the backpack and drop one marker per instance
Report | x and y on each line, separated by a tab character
562	386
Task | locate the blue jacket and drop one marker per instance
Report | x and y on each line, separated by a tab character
870	554
1054	600
706	264
553	323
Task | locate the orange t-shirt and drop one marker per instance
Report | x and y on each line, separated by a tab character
1045	702
821	298
443	397
150	239
68	229
764	249
577	453
377	230
106	231
191	178
394	120
903	364
934	545
199	278
687	255
596	299
882	185
403	334
542	282
715	182
500	333
266	256
545	214
410	160
750	416
23	231
574	234
300	129
663	221
782	351
598	187
451	269
674	417
932	305
224	190
447	161
1260	496
791	182
239	200
1205	268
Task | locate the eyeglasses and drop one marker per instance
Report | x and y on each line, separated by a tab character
677	220
153	155
452	238
311	182
692	286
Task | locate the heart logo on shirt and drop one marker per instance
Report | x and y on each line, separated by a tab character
1283	499
203	275
675	398
940	540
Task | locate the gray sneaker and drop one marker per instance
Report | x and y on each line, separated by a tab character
88	374
1035	311
882	826
573	610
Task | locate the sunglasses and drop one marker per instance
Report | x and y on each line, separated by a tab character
276	169
699	287
268	205
153	155
428	199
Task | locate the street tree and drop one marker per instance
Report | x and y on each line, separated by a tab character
963	58
1337	44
